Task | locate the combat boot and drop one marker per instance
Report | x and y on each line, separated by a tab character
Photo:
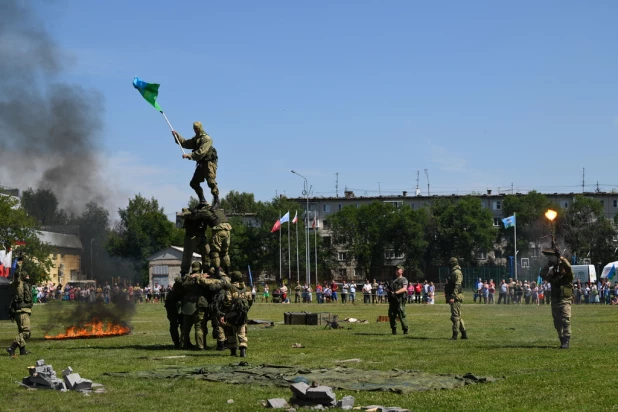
454	336
23	351
220	345
215	202
394	331
243	352
232	352
564	343
405	331
464	334
11	349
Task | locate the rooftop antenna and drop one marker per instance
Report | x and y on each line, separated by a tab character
418	191
337	185
427	175
584	180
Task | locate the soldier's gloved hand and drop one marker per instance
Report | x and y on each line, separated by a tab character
175	135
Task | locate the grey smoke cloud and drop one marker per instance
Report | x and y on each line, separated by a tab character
49	130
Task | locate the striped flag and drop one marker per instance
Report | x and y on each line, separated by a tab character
295	217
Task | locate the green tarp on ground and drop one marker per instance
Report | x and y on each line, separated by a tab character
395	380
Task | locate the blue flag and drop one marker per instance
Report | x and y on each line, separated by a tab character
509	221
250	277
612	272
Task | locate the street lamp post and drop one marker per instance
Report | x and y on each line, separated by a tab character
307	252
91	275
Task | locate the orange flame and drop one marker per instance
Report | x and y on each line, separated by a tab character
94	329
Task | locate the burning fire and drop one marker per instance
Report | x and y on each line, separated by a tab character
94	329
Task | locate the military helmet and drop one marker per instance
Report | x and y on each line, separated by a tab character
550	252
236	276
453	261
198	126
196	267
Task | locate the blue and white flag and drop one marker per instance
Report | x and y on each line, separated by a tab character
285	218
509	221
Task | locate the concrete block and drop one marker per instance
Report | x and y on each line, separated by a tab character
300	389
321	393
39	380
277	403
67	371
59	385
40	362
71	379
40	369
346	403
82	384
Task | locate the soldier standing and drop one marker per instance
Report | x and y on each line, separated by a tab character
233	314
206	157
559	274
454	295
397	295
173	309
21	308
191	295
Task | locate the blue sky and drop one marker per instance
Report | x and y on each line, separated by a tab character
483	94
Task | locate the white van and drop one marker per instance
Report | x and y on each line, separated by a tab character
585	273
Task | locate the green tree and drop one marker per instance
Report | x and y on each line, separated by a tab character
17	225
532	225
42	204
142	230
587	232
460	229
407	235
236	202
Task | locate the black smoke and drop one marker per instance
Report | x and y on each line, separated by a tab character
49	130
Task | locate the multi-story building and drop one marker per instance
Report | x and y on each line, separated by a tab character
321	208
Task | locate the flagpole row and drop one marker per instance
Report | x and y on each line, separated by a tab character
170	125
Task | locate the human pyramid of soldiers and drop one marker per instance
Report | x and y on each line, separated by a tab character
203	291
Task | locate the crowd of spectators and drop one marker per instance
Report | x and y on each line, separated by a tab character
104	293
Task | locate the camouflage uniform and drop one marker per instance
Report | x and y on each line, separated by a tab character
21	305
560	276
454	293
190	312
397	304
173	302
206	157
220	240
233	327
195	241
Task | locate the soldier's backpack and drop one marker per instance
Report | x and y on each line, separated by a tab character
240	307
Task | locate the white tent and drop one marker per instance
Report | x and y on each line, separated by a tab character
608	268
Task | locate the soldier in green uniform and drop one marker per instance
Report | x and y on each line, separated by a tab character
397	296
20	309
233	310
559	274
191	295
454	296
206	157
220	241
173	301
195	239
219	245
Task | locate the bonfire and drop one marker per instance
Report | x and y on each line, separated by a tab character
93	329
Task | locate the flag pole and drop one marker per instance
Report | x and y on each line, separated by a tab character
297	262
515	241
315	232
172	129
280	248
289	252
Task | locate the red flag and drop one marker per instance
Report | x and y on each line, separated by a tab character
295	217
314	222
276	227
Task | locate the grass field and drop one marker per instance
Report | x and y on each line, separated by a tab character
514	342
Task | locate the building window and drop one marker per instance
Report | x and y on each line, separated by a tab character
497	205
160	270
481	255
413	206
534	252
326	239
74	275
603	202
339	206
566	205
397	204
496	221
313	207
342	256
342	273
326	208
615	203
483	204
324	224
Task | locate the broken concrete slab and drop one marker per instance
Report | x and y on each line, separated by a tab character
346	403
67	371
82	384
277	403
40	362
299	389
71	379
